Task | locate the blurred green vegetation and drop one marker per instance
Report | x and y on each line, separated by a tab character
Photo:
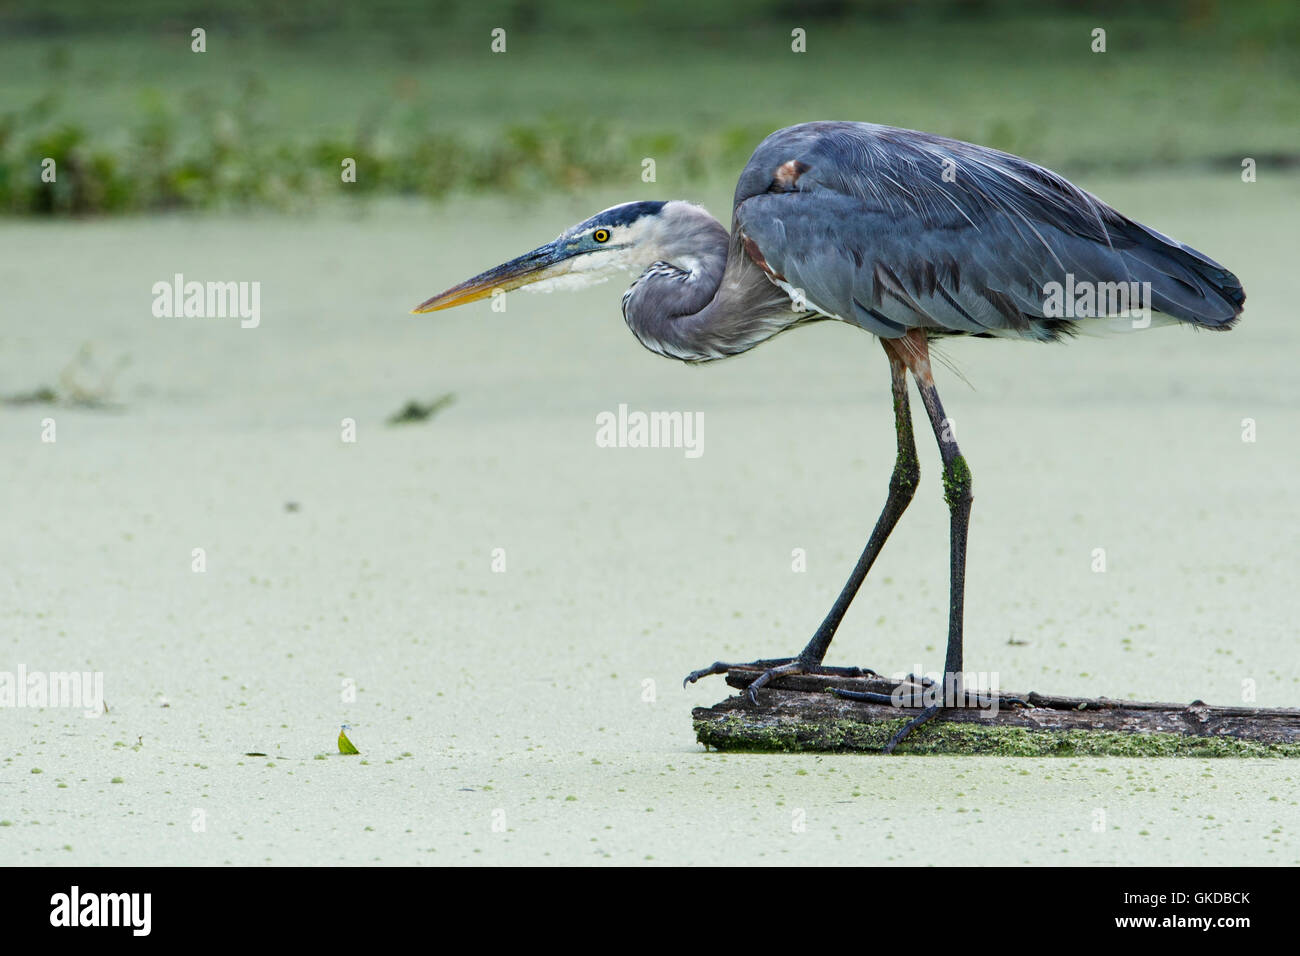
412	92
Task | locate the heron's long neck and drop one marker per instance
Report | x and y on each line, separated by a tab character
705	300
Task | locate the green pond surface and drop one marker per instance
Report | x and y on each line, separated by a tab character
503	611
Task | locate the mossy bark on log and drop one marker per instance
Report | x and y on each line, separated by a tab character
799	713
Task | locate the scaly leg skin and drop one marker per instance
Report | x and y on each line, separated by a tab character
913	350
902	486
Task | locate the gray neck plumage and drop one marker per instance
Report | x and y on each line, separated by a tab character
704	299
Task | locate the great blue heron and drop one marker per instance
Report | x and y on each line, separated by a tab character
907	235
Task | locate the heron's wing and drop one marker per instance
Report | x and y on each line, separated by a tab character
893	230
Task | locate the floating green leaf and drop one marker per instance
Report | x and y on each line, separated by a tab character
345	745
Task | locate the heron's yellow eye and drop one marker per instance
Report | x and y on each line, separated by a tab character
601	235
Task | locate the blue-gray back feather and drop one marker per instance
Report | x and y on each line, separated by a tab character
862	219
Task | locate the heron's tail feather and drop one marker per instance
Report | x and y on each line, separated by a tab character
1185	284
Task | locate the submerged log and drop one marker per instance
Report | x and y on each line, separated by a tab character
802	713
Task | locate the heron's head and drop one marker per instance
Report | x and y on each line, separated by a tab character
622	238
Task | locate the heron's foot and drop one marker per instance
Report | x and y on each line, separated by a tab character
777	667
922	695
924	717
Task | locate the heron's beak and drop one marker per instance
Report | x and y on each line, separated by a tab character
542	263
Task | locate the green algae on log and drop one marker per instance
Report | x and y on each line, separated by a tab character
799	713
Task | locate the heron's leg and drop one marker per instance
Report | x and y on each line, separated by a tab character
914	351
902	486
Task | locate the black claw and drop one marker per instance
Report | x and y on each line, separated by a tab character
717	667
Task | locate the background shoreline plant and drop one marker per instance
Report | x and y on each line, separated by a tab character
135	122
